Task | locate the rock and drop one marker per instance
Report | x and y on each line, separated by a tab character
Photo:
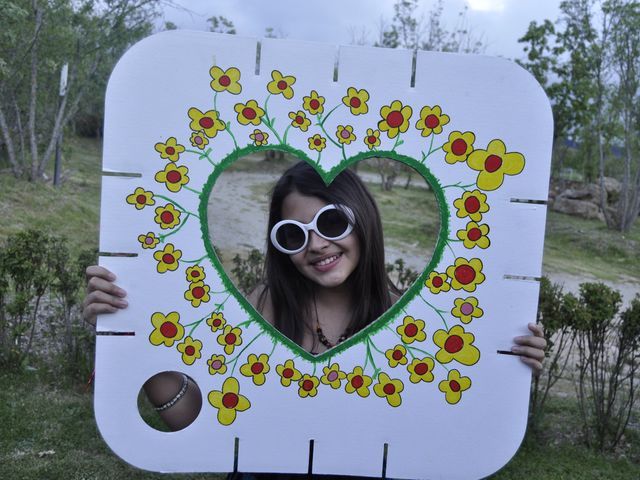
612	186
580	208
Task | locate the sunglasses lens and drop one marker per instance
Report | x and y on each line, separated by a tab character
332	223
290	236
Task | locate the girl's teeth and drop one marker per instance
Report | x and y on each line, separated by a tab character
327	261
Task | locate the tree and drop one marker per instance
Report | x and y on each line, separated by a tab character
220	24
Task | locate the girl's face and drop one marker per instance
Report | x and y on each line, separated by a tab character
327	263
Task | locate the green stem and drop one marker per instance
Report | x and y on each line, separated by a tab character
376	370
194	261
221	305
344	155
324	119
273	349
192	190
286	132
437	310
235	359
398	143
226	127
457	185
162	237
376	348
330	137
409	349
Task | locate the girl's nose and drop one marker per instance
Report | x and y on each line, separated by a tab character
316	242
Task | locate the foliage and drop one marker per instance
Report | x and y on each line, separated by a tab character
402	276
248	272
220	24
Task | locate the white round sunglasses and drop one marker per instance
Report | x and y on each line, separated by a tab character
332	222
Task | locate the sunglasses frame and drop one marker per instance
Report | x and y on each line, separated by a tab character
312	225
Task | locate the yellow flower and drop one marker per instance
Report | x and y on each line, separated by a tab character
308	386
345	134
216	321
372	139
230	338
166	329
171	149
281	84
249	113
167	216
474	235
456	344
208	122
199	140
411	330
396	356
395	118
421	370
288	373
459	146
358	382
259	137
431	120
453	386
466	309
466	274
437	282
314	104
471	204
225	80
149	240
494	163
389	388
300	120
141	198
173	177
333	376
195	274
217	364
197	293
256	368
167	258
356	100
317	142
190	350
228	401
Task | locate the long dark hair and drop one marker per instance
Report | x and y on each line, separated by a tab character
292	294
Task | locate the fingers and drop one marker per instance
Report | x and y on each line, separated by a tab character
103	296
98	271
531	348
535	365
99	284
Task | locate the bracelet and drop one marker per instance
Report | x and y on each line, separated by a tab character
179	395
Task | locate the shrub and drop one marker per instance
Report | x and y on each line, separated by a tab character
248	272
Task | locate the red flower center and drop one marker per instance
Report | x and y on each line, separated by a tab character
224	80
230	338
453	344
465	274
282	85
454	386
411	330
314	104
206	122
355	102
459	147
397	355
345	133
230	400
492	163
307	385
166	217
371	139
189	350
437	282
198	292
389	389
357	382
395	119
421	368
299	120
216	322
432	121
168	258
195	274
474	234
472	204
257	368
141	199
466	308
249	113
169	150
287	372
317	142
174	176
168	329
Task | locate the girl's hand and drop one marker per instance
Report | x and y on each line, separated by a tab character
531	348
103	296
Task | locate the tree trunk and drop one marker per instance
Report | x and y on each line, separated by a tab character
16	168
33	138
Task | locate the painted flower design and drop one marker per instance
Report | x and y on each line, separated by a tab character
195	274
345	134
256	368
299	120
466	274
166	329
437	282
471	204
228	401
167	216
372	139
411	330
259	137
356	100
389	389
167	258
217	365
173	176
431	120
395	118
474	235
459	146
249	113
308	386
149	240
281	84
208	122
141	198
453	386
358	382
333	376
171	149
456	344
466	309
197	293
199	140
288	373
314	103
216	321
494	163
317	142
230	338
190	350
396	356
421	370
225	80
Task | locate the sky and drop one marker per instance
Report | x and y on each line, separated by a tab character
498	22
